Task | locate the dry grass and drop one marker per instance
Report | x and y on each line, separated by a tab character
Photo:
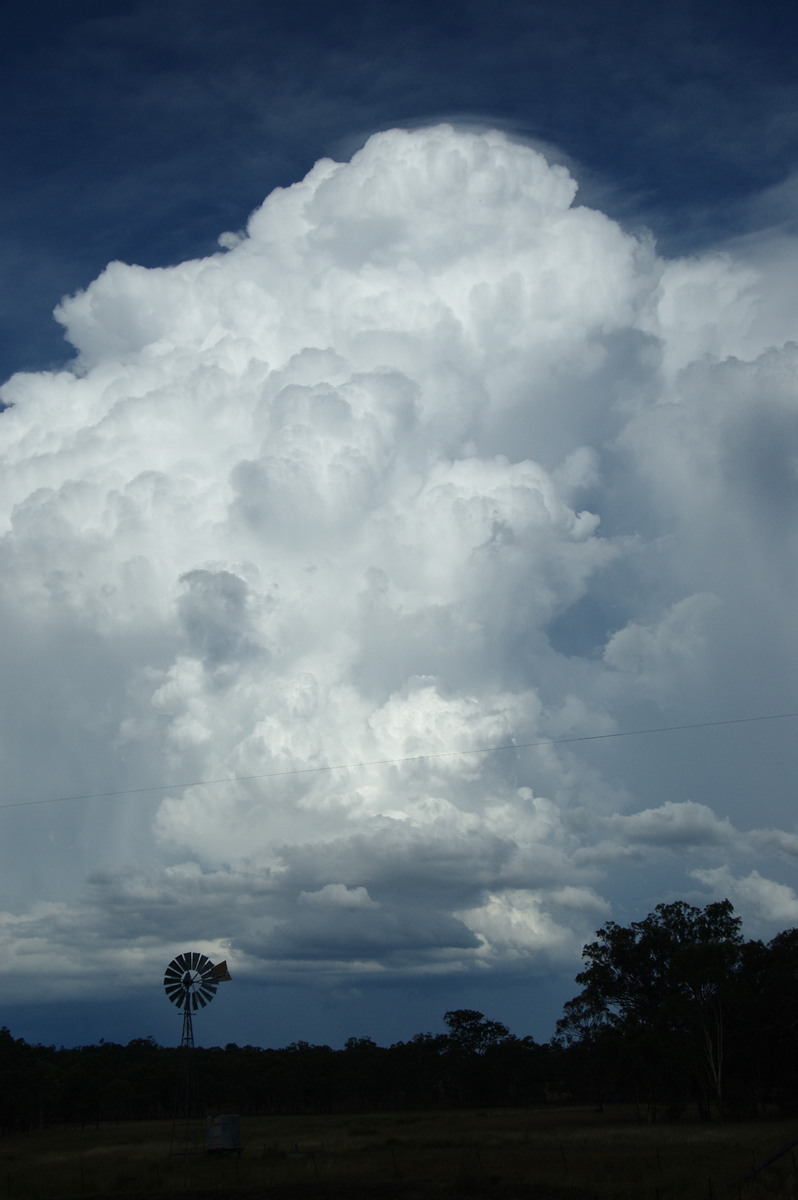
535	1154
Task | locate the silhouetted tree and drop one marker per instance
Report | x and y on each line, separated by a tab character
664	984
472	1032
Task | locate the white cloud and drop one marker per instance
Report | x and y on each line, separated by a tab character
320	500
656	652
702	308
765	898
516	927
674	825
337	895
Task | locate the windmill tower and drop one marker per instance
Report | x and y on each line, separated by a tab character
190	982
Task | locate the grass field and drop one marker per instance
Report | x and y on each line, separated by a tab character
541	1154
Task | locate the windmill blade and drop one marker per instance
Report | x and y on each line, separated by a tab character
191	979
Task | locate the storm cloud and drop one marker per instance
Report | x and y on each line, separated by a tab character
428	462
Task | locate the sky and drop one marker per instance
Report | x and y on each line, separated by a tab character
399	472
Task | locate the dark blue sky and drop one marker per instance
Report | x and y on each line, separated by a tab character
138	131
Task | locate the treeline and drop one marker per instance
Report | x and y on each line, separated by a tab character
476	1062
674	1010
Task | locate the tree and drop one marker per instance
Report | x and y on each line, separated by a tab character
469	1074
663	982
472	1032
766	1022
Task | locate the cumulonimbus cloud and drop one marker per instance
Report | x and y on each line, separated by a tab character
344	493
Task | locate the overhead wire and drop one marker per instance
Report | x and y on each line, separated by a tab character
383	762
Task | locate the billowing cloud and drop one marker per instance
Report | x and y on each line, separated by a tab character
427	463
769	900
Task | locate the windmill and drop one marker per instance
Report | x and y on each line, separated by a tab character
190	982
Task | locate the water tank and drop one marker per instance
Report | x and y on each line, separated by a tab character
224	1134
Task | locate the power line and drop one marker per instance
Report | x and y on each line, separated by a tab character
384	762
